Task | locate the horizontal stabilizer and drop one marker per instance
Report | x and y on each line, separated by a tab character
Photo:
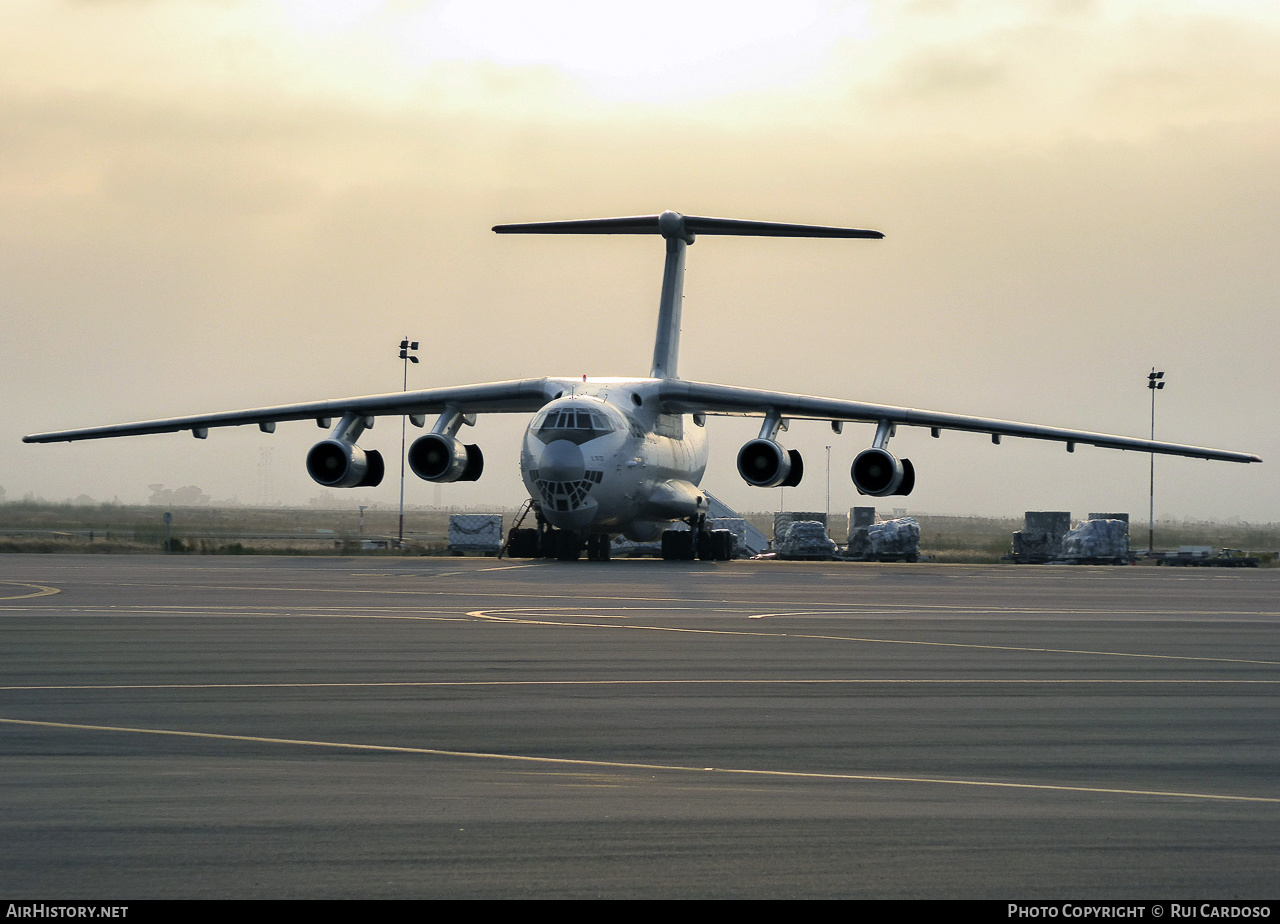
673	224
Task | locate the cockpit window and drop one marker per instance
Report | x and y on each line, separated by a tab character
575	424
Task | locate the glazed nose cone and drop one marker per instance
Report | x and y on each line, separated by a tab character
561	461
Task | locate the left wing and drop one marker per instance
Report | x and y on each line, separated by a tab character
337	462
493	397
680	396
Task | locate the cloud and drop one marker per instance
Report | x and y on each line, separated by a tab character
220	218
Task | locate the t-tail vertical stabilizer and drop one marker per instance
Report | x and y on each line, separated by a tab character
679	231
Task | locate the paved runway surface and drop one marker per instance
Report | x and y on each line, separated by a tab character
370	727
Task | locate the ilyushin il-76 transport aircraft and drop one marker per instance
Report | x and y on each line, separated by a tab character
608	456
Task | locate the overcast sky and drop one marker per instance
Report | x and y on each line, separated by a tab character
215	204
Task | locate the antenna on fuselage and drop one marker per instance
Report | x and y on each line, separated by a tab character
679	231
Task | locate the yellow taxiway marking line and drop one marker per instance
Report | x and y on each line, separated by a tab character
37	590
851	609
513	616
225	612
1105	654
627	765
628	683
530	616
859	609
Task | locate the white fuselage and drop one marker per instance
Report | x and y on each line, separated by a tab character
601	458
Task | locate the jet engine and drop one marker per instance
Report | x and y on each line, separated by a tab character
879	473
766	464
440	458
338	464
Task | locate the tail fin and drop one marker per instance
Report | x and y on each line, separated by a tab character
679	231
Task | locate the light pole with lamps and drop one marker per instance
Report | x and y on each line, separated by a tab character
1155	382
407	349
828	487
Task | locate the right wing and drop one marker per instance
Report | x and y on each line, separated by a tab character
683	396
526	395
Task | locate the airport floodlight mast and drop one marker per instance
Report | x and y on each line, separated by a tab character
828	489
1155	382
407	350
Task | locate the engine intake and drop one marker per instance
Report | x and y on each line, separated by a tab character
766	464
879	473
338	464
443	459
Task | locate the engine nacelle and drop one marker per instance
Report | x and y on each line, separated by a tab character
766	464
442	459
879	473
337	464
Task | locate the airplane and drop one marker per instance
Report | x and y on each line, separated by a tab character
608	456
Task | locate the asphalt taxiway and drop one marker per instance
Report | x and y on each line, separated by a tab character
376	727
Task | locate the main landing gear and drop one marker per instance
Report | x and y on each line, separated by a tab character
697	542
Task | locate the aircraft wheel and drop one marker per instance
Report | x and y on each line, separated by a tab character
598	548
570	546
677	545
523	543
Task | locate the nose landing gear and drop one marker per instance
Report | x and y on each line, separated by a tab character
697	542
